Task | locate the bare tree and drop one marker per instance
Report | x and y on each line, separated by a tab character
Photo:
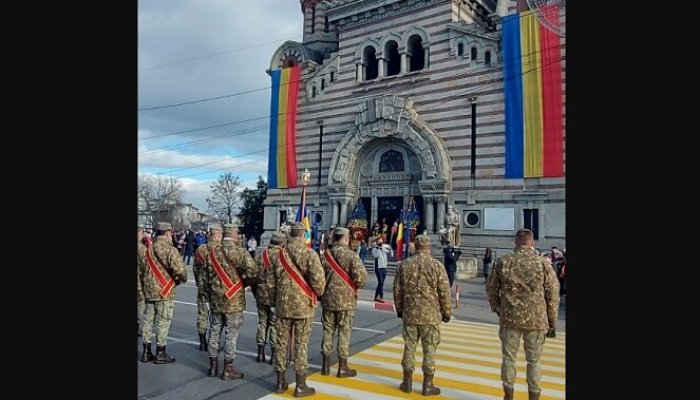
224	198
156	193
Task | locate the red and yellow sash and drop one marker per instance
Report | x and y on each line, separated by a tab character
338	270
231	288
266	259
166	284
298	279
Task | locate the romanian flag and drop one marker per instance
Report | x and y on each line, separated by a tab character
282	157
533	97
400	240
305	219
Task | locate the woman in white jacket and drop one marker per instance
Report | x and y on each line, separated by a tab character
380	251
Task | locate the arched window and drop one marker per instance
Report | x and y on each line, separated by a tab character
332	76
369	57
460	49
313	92
323	84
325	26
393	59
487	58
313	19
391	161
416	53
473	55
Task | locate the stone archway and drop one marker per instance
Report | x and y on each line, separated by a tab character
390	118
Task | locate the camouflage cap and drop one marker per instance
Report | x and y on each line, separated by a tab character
230	228
422	242
278	238
342	231
214	227
297	226
164	226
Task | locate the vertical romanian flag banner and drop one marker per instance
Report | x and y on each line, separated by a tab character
533	97
282	159
400	239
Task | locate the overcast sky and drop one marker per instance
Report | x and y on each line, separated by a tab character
246	33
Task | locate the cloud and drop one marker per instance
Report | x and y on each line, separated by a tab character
179	164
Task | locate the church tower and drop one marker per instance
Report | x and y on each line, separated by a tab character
319	35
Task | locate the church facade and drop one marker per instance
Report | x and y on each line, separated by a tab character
403	102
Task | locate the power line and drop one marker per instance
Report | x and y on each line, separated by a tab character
205	128
216	54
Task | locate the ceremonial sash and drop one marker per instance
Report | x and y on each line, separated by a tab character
338	270
297	278
231	288
266	259
165	284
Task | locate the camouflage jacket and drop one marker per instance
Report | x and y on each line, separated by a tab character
237	264
266	277
338	296
170	264
140	258
201	258
524	290
422	290
289	299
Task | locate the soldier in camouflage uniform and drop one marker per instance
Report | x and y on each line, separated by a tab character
298	281
523	290
422	298
160	269
266	305
140	299
200	260
229	268
340	300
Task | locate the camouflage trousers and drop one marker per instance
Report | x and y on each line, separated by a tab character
429	336
302	331
341	320
266	320
160	314
533	341
230	324
202	308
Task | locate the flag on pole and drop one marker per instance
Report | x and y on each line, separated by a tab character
303	217
400	239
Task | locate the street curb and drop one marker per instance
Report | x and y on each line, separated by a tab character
373	305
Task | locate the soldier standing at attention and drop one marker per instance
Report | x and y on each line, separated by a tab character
345	275
200	261
524	292
298	282
266	304
422	298
228	269
160	271
140	257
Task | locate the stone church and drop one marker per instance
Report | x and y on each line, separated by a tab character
404	100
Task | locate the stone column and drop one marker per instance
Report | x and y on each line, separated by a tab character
404	62
359	71
426	60
343	213
441	209
373	218
429	208
381	65
334	204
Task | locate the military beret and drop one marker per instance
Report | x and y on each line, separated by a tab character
230	228
422	242
297	226
164	226
278	238
342	231
214	227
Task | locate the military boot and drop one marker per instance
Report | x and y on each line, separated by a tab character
533	396
508	393
162	357
282	384
230	373
301	390
261	353
326	366
147	353
273	354
203	345
213	366
343	370
428	388
407	383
